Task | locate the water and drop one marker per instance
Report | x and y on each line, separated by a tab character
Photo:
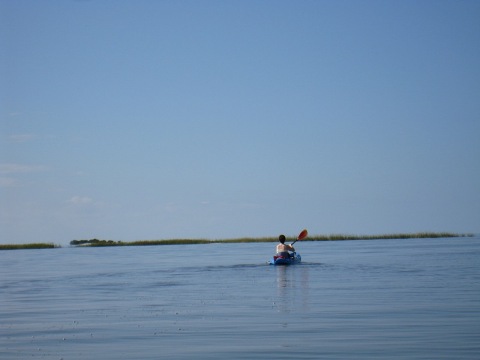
395	299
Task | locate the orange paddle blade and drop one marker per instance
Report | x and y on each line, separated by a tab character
303	234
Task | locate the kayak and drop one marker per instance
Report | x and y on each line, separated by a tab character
285	260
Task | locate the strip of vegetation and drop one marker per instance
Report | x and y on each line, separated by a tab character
334	237
28	246
99	243
422	235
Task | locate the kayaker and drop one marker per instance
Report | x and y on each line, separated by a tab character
282	248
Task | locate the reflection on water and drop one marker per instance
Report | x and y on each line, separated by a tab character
293	287
281	278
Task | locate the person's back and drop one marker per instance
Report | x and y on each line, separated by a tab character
282	248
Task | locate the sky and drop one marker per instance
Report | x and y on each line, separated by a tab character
141	120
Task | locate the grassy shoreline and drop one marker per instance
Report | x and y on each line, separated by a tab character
332	237
28	246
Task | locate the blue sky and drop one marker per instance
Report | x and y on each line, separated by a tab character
132	120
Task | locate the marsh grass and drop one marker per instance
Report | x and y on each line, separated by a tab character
28	246
421	235
333	237
100	243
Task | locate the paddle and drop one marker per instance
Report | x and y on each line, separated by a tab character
301	236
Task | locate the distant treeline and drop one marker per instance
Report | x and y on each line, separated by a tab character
333	237
97	242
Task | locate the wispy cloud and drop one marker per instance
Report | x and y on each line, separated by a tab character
22	138
80	200
7	182
20	168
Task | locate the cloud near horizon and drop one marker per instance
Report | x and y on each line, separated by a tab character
80	200
19	168
7	181
21	138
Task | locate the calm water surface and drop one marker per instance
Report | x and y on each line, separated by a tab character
382	299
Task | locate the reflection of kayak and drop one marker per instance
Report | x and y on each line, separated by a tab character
285	260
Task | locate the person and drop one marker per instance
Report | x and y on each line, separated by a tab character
282	248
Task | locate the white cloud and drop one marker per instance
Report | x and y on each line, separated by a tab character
19	168
80	200
21	138
171	207
7	182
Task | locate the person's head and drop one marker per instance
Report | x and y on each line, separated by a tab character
281	238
